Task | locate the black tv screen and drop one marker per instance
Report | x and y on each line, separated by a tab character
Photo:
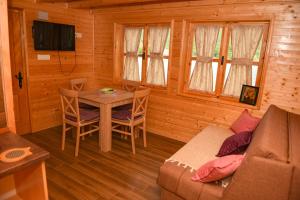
53	36
67	37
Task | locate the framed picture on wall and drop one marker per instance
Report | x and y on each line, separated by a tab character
249	94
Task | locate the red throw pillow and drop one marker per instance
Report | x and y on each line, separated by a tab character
245	123
235	144
219	168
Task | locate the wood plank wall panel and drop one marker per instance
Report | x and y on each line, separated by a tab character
180	117
45	77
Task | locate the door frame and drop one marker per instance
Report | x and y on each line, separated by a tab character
24	58
6	69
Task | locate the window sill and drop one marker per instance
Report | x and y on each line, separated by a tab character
157	87
142	83
220	100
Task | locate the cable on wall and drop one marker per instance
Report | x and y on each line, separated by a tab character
60	64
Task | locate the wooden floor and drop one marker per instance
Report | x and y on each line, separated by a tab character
94	176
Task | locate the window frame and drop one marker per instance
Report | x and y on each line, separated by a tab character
145	55
190	57
186	57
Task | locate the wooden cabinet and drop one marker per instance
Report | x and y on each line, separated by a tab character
24	179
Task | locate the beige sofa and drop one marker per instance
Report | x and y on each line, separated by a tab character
270	170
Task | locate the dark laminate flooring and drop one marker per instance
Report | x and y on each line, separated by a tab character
114	175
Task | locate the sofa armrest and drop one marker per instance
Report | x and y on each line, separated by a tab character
260	179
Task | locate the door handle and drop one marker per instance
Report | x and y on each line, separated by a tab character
19	76
222	60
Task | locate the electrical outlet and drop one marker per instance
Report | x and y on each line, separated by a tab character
78	35
43	57
42	15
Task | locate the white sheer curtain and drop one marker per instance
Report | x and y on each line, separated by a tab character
157	39
202	76
132	37
245	40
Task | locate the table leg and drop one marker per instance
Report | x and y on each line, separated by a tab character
105	127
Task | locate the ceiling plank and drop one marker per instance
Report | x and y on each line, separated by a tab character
51	1
84	4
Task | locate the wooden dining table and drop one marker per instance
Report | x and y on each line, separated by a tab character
105	102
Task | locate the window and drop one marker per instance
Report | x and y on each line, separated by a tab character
205	56
133	47
223	56
146	54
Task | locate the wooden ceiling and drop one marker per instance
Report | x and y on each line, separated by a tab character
93	4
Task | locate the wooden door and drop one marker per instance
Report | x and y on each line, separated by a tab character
18	71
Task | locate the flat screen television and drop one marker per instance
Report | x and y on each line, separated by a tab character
53	36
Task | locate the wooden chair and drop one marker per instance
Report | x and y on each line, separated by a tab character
130	86
78	84
136	118
77	117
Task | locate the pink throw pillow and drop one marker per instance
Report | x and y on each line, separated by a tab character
219	168
245	123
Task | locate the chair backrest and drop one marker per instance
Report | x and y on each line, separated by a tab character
130	86
69	102
140	102
78	84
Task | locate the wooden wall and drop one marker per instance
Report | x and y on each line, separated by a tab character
45	77
179	117
169	114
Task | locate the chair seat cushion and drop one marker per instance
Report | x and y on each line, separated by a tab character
85	115
86	106
122	115
124	107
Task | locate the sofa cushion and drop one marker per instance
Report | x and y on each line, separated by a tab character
260	179
245	123
235	144
217	169
201	148
270	139
176	173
